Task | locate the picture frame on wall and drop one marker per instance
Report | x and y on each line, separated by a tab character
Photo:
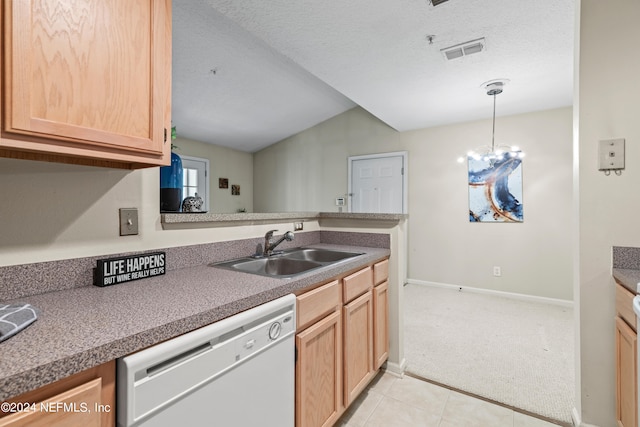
495	190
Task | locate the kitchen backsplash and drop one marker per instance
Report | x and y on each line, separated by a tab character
626	257
19	281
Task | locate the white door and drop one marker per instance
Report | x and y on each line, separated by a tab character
377	183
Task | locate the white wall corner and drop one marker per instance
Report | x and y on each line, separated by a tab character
577	419
397	369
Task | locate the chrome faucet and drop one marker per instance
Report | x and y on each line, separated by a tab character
270	245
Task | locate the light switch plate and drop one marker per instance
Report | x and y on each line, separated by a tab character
611	154
128	221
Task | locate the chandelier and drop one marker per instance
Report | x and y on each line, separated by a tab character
493	153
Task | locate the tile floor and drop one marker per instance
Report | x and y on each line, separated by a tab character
390	401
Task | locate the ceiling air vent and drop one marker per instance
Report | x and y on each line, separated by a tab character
437	2
464	49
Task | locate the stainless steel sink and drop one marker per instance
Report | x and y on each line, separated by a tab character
289	263
319	255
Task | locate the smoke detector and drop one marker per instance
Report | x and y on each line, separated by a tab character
464	49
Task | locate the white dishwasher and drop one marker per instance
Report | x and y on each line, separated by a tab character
235	372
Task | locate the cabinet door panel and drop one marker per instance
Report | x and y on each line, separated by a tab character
319	373
358	346
91	72
627	375
73	408
380	324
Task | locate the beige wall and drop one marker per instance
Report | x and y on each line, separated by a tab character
307	171
535	256
608	107
55	211
236	166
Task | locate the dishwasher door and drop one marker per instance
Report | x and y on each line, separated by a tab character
235	372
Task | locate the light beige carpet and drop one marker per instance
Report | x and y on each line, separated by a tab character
514	352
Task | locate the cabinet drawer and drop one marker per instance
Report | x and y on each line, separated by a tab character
624	305
317	303
357	284
380	271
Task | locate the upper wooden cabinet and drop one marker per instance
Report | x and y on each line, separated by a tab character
87	79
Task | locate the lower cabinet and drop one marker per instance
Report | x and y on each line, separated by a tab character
626	375
342	340
318	372
380	324
358	346
86	399
626	360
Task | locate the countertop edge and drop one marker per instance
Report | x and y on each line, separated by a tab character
627	277
182	220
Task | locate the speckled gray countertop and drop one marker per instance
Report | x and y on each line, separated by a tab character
626	267
629	278
86	326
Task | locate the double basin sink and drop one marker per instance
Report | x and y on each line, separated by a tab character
289	263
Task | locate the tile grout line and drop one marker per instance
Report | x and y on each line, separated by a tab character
444	407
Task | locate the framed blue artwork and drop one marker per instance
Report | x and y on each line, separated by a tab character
495	189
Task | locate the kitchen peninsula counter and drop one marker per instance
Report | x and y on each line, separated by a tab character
86	326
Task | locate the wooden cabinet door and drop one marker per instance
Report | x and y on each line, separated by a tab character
626	375
73	408
380	324
88	74
319	373
358	346
83	399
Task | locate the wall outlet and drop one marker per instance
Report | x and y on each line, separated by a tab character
128	221
297	226
497	272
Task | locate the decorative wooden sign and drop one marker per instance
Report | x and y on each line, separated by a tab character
111	271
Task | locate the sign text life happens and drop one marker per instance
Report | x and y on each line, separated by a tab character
112	271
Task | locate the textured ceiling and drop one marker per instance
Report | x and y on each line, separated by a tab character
248	73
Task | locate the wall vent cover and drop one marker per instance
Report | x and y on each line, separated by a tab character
464	49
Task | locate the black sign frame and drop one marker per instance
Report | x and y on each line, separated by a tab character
116	270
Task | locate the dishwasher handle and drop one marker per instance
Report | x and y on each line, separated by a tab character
176	360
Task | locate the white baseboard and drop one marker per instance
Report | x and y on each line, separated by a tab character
512	295
575	417
577	420
397	369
